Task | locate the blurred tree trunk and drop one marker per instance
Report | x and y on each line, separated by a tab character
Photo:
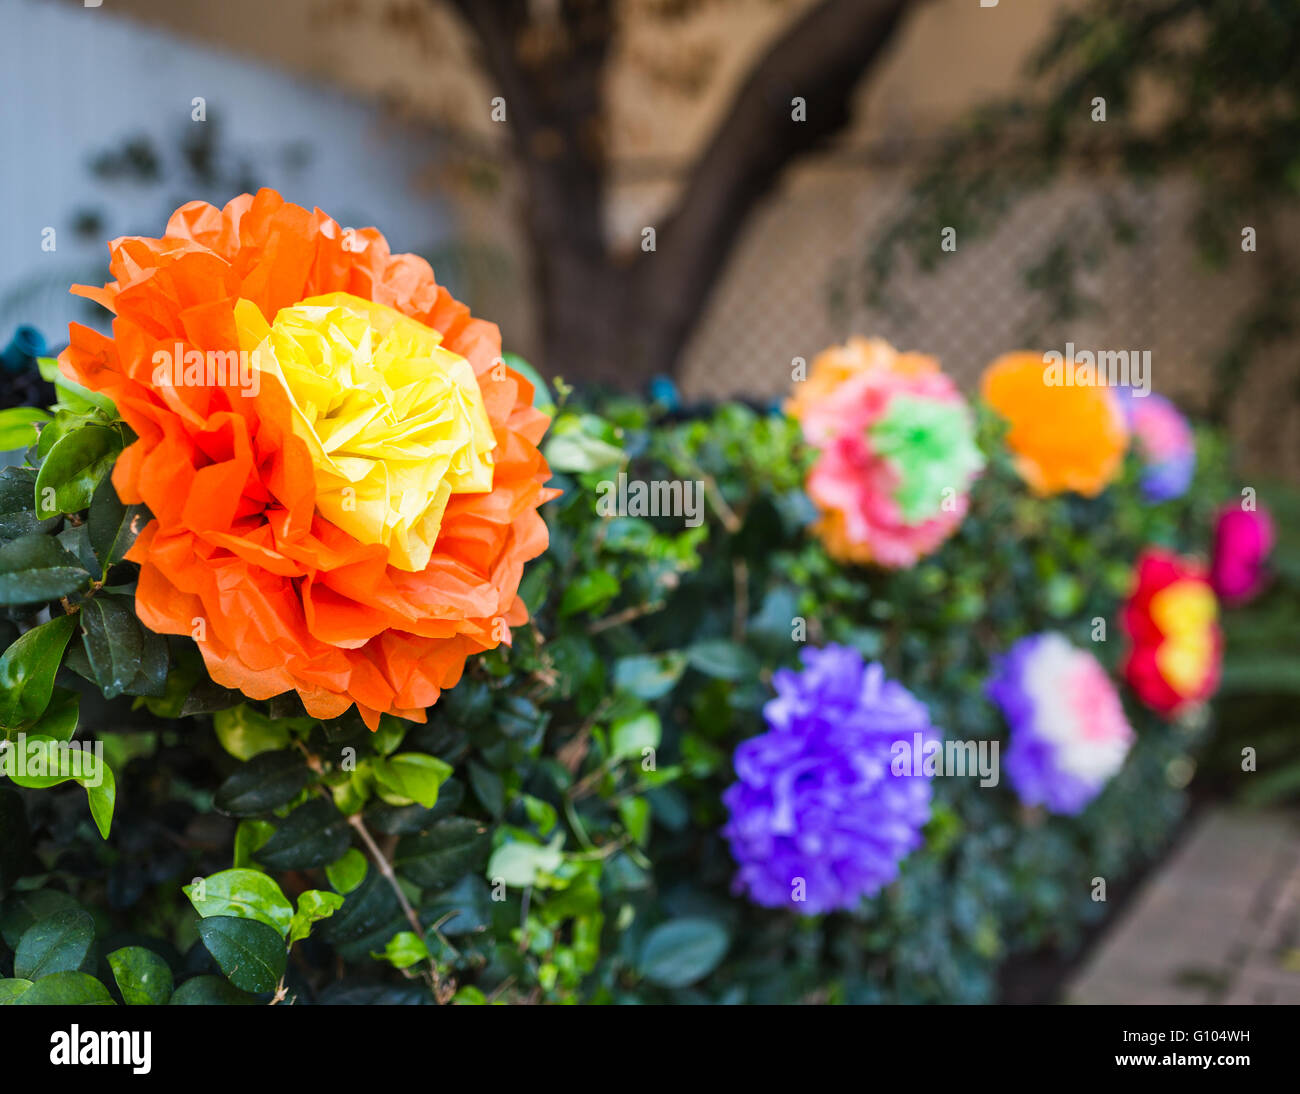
622	319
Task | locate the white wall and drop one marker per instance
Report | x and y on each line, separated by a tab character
75	81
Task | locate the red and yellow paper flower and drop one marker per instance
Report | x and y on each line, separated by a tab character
1061	437
1175	644
343	474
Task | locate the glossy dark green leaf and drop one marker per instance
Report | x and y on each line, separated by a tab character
63	989
18	505
251	954
210	991
142	976
27	670
268	781
682	951
443	854
368	919
111	635
34	569
57	944
11	989
113	526
314	834
74	467
465	908
23	909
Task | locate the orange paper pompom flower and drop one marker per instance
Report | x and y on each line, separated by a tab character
1061	436
343	474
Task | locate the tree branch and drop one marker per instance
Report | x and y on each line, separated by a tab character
821	58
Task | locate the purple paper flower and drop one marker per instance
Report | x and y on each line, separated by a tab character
1068	730
818	818
1164	442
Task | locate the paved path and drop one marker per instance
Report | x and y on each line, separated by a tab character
1219	922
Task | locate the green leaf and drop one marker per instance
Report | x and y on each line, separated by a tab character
541	392
649	676
57	944
34	569
60	718
463	909
440	856
682	951
348	872
520	864
18	505
635	815
27	671
65	989
722	659
249	836
11	989
208	991
142	976
369	917
404	949
72	395
268	781
101	792
312	835
576	451
245	732
112	637
590	592
628	737
251	954
18	426
23	909
245	894
112	526
76	464
313	906
44	762
412	776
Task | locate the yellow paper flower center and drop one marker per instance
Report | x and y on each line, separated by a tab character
1185	612
394	422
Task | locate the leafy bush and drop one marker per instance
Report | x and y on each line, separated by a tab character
551	833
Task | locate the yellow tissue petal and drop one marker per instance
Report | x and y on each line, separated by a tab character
395	423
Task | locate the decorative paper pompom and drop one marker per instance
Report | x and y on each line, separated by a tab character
1243	540
818	818
1068	730
897	452
343	481
1171	620
1061	437
1165	443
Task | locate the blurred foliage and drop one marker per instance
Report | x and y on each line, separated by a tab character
1207	90
551	833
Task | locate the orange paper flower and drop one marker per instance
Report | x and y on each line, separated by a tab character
343	475
1061	437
